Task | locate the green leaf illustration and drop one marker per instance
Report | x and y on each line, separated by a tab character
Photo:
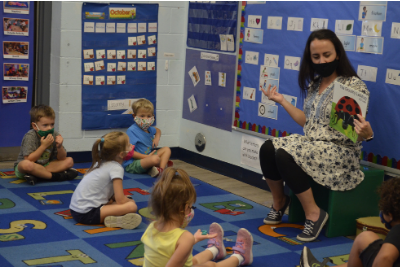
348	27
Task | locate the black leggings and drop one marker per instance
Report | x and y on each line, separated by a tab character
281	165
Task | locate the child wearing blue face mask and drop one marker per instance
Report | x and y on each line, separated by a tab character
368	249
166	243
42	154
144	138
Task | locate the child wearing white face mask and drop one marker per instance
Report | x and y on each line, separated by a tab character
144	138
166	243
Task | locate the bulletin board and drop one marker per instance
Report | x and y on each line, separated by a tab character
17	64
119	62
383	107
211	24
209	100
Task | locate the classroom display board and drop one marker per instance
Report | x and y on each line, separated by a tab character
119	62
17	63
272	40
209	85
212	25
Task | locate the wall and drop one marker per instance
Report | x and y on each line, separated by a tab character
65	89
65	76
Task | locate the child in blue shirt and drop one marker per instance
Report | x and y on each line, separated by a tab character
144	138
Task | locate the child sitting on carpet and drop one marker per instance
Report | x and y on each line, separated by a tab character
166	243
42	152
100	197
144	139
368	249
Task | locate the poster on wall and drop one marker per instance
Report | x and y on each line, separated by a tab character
15	72
15	49
16	7
14	94
12	26
119	60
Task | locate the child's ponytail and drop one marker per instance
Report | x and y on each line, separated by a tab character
96	154
172	192
107	148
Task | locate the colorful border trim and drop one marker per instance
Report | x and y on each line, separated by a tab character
378	159
237	122
370	157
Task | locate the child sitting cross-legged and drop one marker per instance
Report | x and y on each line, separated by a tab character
100	197
145	139
368	249
43	156
166	243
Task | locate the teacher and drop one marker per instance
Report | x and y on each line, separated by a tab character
327	156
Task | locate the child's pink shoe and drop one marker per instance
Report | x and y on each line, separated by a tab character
217	241
244	246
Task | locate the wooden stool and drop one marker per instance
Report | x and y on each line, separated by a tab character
343	207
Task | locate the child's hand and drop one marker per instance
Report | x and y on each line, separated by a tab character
152	152
198	236
155	142
59	141
47	141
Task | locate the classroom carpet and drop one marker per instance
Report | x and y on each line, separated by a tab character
36	227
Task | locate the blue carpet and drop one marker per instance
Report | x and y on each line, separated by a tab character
36	228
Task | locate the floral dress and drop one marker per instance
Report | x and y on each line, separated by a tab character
327	155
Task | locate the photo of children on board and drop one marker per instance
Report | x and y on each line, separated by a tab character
13	71
12	26
16	50
16	7
14	94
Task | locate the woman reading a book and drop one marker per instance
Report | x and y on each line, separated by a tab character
327	156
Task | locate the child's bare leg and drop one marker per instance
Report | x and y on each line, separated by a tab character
202	257
115	209
360	243
60	165
153	160
164	153
29	167
229	262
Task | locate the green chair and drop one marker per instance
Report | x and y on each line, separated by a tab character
343	207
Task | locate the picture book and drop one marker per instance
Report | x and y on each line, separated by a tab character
346	103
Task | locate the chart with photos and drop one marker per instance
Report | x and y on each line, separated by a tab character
119	61
17	67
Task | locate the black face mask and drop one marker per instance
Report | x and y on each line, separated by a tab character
325	69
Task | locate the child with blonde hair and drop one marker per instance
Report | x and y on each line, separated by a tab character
100	197
145	139
166	243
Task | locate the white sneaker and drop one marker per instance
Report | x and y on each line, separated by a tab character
154	171
127	221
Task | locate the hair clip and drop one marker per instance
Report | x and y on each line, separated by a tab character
102	140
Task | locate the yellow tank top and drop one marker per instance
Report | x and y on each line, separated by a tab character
159	246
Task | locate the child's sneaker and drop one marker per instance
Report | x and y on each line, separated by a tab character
127	221
154	171
32	180
307	259
217	241
71	173
244	246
